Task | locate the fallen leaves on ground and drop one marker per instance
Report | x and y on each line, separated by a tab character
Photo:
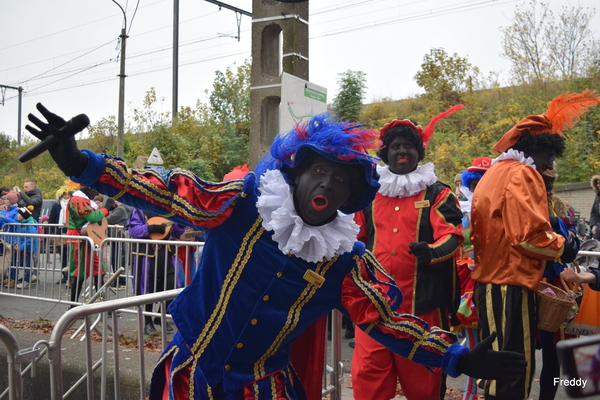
45	327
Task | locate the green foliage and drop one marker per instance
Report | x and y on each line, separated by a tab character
445	78
230	98
201	169
348	103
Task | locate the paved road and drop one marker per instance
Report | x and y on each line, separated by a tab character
458	383
15	307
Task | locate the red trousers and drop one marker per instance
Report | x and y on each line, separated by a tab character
375	371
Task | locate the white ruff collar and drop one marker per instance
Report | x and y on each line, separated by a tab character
311	243
465	206
394	185
514	155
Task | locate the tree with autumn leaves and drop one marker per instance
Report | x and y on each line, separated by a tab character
212	138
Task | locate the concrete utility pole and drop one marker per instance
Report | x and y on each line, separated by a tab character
274	22
20	89
121	119
175	60
121	116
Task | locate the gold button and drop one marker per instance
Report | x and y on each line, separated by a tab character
227	367
395	230
254	321
279	274
265	298
239	345
394	276
396	208
394	253
289	254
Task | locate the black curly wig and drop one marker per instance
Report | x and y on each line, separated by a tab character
544	142
405	132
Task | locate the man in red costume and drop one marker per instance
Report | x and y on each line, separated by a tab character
414	228
512	234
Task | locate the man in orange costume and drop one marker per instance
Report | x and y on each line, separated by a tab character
512	234
414	228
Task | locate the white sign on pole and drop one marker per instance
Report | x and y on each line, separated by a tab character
155	157
300	100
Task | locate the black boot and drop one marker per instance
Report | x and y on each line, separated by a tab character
149	329
158	322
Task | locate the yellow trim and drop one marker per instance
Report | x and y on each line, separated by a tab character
372	223
439	204
492	324
385	313
192	380
273	388
369	328
527	338
145	187
293	318
227	287
416	264
544	252
447	256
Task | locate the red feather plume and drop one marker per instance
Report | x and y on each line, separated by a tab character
566	109
428	131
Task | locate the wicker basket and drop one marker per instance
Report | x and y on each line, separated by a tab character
552	311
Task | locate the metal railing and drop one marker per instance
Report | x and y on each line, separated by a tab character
114	298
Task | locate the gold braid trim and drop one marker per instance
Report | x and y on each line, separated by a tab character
292	318
229	284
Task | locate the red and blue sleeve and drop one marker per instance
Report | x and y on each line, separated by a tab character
178	195
410	337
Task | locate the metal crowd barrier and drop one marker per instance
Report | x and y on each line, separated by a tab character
15	384
118	296
53	255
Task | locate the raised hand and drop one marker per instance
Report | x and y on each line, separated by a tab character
422	253
484	363
57	136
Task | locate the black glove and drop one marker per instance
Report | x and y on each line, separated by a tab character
156	229
484	363
65	153
422	253
569	253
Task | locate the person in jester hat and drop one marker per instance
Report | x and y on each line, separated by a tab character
513	235
414	228
280	253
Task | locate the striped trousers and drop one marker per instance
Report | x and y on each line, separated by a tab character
511	311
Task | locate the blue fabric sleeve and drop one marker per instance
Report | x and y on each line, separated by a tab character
93	171
451	358
596	272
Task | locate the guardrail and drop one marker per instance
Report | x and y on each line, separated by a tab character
116	300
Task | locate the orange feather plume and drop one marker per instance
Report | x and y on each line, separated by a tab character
566	109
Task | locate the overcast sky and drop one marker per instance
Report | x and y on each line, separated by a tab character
64	53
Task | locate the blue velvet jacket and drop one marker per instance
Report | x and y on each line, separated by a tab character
248	300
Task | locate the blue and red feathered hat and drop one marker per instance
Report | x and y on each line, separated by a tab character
338	141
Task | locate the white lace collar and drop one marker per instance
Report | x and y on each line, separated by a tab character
514	155
311	243
394	185
465	205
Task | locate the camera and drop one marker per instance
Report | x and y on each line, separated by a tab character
580	361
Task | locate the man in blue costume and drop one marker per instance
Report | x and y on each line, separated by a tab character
280	253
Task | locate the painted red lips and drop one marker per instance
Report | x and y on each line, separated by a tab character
319	203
